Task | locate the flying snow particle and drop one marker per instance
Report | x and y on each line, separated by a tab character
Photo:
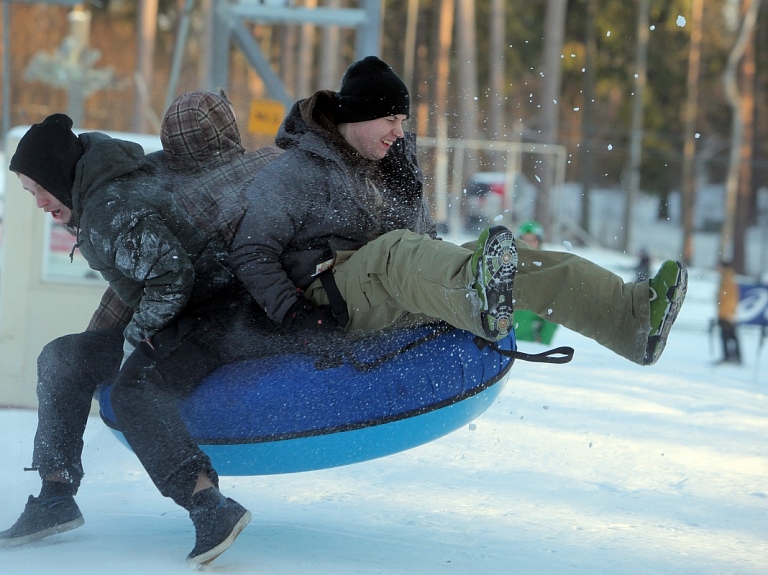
568	245
498	218
538	179
680	21
610	147
472	426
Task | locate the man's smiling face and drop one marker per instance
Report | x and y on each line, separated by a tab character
374	138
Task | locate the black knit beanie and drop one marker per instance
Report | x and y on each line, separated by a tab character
370	89
48	154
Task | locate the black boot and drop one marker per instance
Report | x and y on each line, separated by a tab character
218	521
41	518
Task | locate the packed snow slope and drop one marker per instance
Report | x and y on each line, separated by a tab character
597	466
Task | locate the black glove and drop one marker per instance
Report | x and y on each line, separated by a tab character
303	315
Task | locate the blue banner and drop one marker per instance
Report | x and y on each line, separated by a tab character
753	304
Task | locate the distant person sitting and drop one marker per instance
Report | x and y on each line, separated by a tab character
727	302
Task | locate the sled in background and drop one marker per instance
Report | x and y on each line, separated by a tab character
531	327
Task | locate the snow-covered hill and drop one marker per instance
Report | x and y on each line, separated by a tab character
597	466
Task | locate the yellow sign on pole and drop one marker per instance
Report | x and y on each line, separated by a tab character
265	117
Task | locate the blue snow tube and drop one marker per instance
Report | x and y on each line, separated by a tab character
283	414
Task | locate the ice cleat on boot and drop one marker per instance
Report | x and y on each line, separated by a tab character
667	293
495	265
218	521
41	518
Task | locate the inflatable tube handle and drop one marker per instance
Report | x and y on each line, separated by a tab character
562	354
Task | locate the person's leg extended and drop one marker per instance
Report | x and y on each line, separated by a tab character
403	273
571	291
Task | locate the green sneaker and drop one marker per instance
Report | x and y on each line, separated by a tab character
667	293
495	265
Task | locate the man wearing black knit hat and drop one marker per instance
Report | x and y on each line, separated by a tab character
165	267
47	156
338	234
369	90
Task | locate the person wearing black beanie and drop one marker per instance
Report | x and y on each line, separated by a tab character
48	154
165	265
341	219
370	89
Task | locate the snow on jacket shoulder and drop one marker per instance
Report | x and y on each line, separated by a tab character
205	167
131	231
319	197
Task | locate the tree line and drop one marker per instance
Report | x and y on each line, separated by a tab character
484	69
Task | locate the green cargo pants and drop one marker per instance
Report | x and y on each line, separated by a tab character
407	279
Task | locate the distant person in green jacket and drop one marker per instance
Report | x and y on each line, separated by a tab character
528	325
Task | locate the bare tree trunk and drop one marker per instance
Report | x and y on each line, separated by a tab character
306	51
498	48
588	121
330	52
730	79
423	79
636	135
690	112
747	152
445	37
206	40
409	57
468	93
554	32
289	59
144	63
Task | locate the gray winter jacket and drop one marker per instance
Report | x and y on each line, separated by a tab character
134	233
317	198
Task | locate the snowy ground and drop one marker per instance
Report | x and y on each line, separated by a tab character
598	466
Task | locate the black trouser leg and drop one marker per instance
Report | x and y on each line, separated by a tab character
731	350
68	371
145	404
